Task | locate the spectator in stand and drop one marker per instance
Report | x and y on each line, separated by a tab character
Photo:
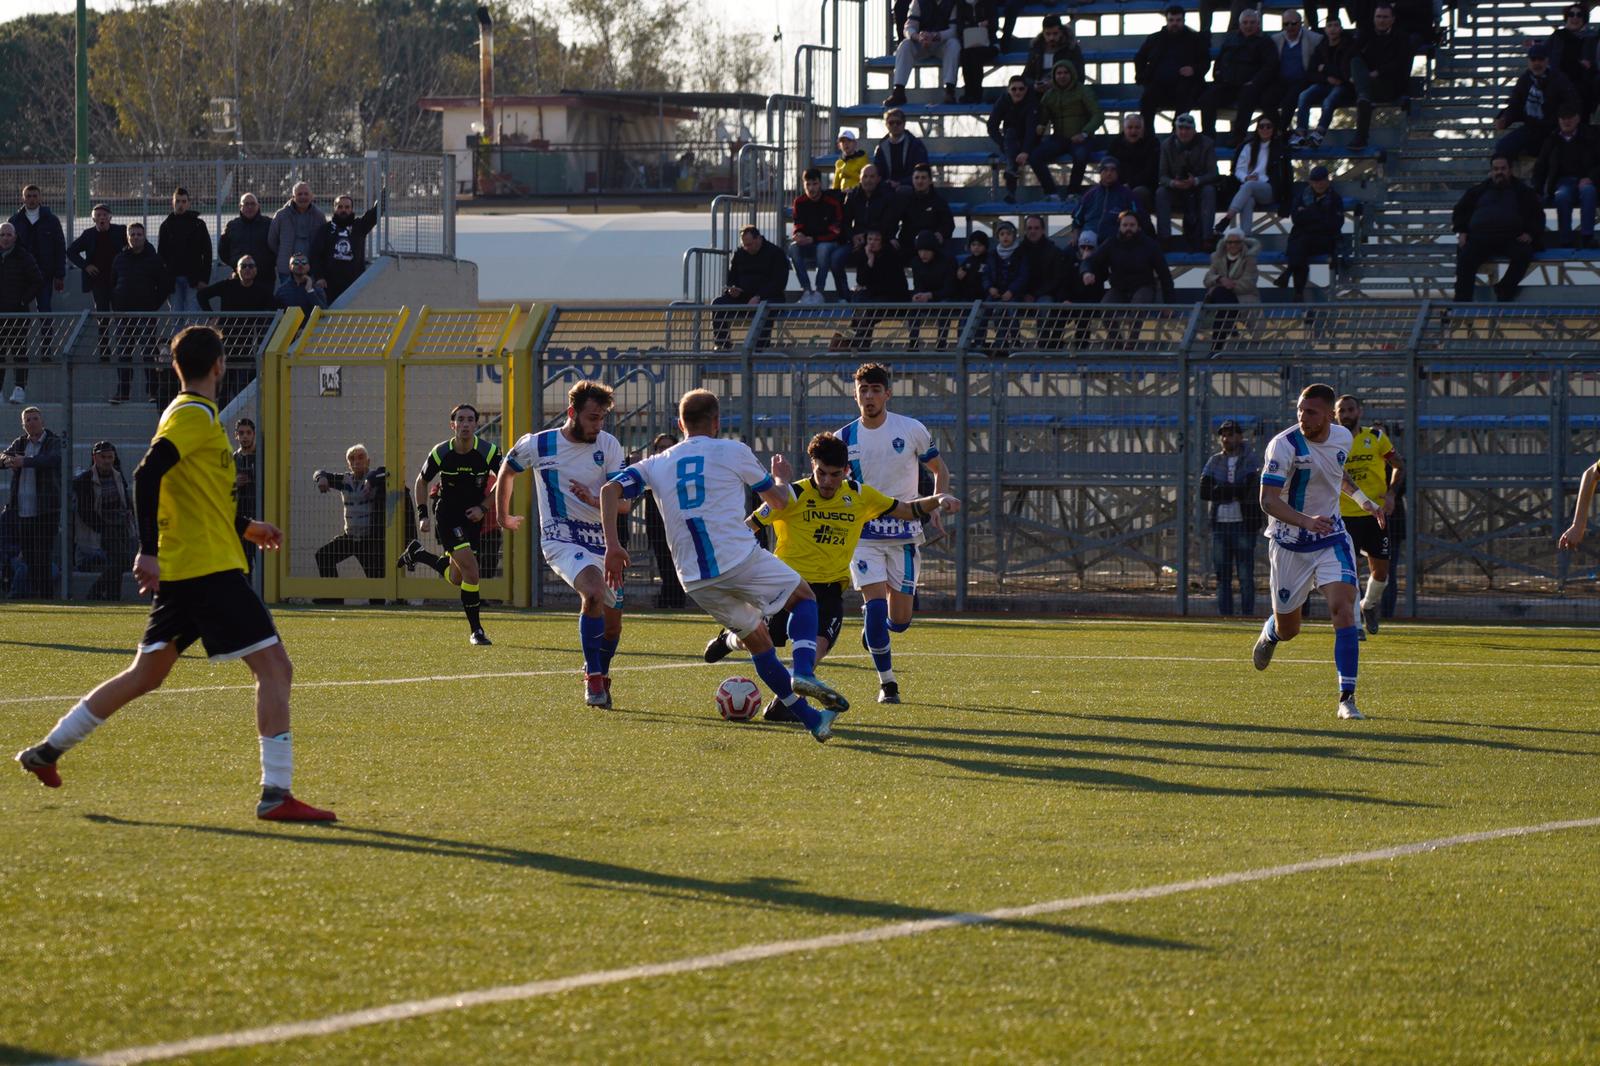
1006	281
1415	21
1171	65
872	205
1068	114
339	249
20	284
757	271
1380	69
1318	217
1132	267
1231	482
1103	204
880	274
976	21
933	280
363	490
1572	52
851	162
1330	84
930	34
244	482
1012	126
246	234
1262	169
1564	177
93	251
1139	158
1043	259
1233	278
1188	181
970	271
1055	42
293	228
39	231
184	243
34	509
925	209
818	238
300	290
1208	10
244	291
899	152
1072	289
1297	49
1246	76
1538	97
139	282
106	529
1499	217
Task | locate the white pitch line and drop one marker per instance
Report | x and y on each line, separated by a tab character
395	1012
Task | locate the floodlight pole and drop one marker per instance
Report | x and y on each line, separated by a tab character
81	120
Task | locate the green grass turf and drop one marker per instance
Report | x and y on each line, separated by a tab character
496	831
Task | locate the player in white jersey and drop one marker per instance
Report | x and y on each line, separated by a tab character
1301	481
570	463
700	484
887	451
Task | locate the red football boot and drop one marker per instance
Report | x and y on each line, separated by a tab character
289	809
31	760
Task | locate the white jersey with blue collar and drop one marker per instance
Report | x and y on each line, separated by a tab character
889	458
1310	476
556	463
700	485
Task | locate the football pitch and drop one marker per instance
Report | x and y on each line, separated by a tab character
1108	841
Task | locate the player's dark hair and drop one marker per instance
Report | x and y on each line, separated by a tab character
180	191
872	374
1321	392
590	391
196	350
828	450
245	422
1353	399
458	408
699	409
812	174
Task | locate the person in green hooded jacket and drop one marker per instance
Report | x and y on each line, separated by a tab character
1068	114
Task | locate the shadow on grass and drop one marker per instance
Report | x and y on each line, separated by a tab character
91	649
10	1053
770	891
1506	726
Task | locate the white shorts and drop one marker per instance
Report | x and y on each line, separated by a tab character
569	560
1295	574
742	598
897	562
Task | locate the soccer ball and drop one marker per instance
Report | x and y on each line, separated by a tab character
738	699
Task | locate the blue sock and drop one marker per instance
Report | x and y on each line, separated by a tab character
1346	654
589	635
803	636
777	679
608	648
876	626
899	627
1270	630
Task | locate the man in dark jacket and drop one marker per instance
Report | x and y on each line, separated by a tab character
244	291
339	250
20	283
933	280
1500	217
880	278
1246	77
1139	154
94	250
1380	69
39	231
1572	52
1171	65
925	209
1053	43
898	152
1231	482
757	271
1318	214
1131	265
1187	181
1538	97
245	235
1011	126
185	246
872	205
818	238
106	529
139	282
34	507
1564	176
1044	261
300	290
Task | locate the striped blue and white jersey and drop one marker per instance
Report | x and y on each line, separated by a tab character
556	463
700	487
889	459
1310	476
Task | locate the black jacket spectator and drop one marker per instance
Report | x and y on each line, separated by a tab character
1128	264
1562	158
764	274
968	278
894	161
920	211
45	240
1071	289
1491	212
100	250
1166	51
1246	60
339	251
139	282
880	278
1333	60
1006	274
20	279
937	276
87	500
257	296
1044	267
1041	60
878	209
184	243
1319	218
246	236
1013	125
821	219
1138	162
47	464
1388	58
1537	101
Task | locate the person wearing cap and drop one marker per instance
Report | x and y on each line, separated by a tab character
1380	69
1231	483
1330	84
933	280
1005	280
1502	217
1572	52
851	162
1537	98
1245	77
105	529
1231	279
969	272
1186	180
1071	288
1068	114
1262	167
1012	126
1317	215
1171	64
1564	177
930	34
1107	200
300	290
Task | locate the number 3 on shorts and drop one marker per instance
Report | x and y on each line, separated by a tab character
691	482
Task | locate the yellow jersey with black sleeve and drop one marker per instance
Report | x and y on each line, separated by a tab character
817	536
198	534
1368	467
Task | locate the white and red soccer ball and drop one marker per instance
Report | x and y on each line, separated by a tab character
738	699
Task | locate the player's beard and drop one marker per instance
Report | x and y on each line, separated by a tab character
1352	425
581	436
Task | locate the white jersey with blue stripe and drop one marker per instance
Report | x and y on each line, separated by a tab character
1310	476
556	463
889	459
700	488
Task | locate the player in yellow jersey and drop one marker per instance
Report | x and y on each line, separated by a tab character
1376	469
191	559
817	534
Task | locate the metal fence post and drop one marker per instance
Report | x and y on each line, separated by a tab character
961	486
747	373
1413	474
448	197
1185	460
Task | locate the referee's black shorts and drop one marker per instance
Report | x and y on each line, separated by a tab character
219	610
456	532
830	614
1369	539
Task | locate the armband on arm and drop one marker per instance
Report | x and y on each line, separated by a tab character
1363	499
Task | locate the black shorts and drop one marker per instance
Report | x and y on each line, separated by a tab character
219	610
830	615
1368	538
456	532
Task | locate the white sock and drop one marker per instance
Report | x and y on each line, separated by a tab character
730	640
74	726
885	676
1374	594
277	761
